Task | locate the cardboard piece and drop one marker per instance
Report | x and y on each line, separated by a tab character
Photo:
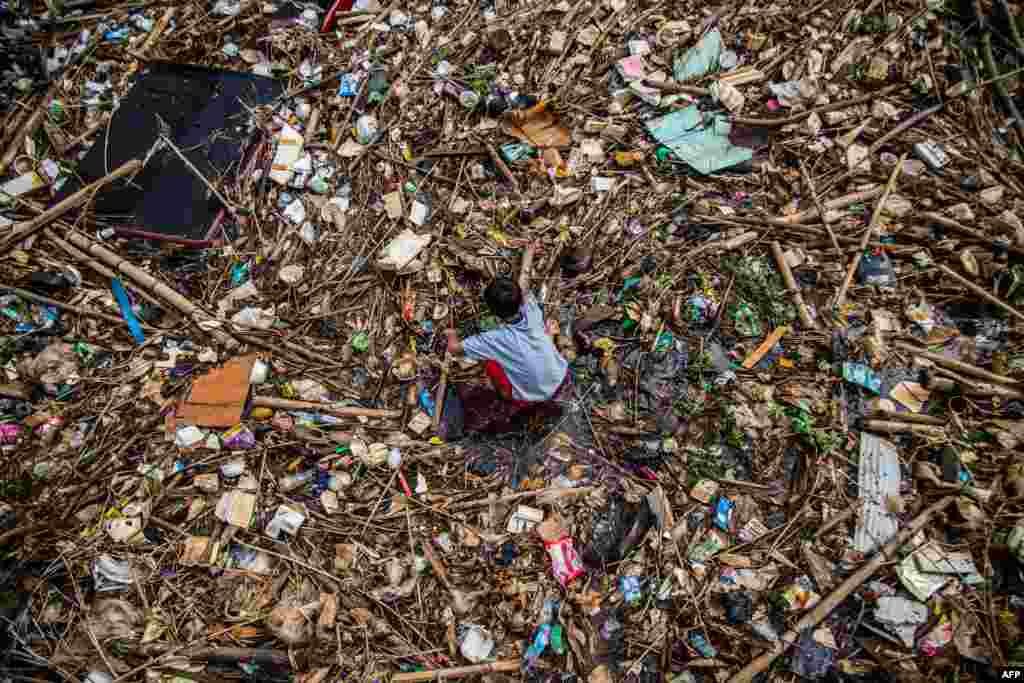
217	399
236	508
538	126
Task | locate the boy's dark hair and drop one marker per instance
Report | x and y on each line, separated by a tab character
503	297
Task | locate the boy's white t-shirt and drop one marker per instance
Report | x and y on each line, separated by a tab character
534	367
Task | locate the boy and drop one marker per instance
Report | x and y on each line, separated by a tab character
520	359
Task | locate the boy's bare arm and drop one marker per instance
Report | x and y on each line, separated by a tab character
454	343
527	265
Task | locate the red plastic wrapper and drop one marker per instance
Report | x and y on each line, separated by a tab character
565	563
9	433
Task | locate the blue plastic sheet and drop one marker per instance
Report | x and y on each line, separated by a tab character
702	142
860	374
699	60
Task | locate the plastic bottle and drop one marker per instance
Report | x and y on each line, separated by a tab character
394	458
293	481
427	402
366	129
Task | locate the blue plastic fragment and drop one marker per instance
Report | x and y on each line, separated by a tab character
126	310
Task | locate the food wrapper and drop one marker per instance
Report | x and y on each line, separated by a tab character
565	562
239	438
937	638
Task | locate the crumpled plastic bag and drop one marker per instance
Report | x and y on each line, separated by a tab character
699	60
292	625
57	364
401	252
114	618
703	143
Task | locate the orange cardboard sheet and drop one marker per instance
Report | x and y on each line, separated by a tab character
538	126
218	397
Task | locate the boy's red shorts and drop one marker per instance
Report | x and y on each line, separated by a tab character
499	380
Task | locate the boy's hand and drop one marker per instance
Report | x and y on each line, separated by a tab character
454	345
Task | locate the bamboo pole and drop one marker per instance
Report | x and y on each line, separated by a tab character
157	288
14	122
329	408
908	417
947	385
947	222
980	292
809	182
717	245
959	366
841	294
854	581
502	665
83	258
893	427
835	205
787	277
87	133
548	494
27	228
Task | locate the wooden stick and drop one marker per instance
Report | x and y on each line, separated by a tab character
31	123
89	132
501	166
821	209
14	122
892	427
963	229
442	386
834	106
843	591
787	277
835	205
908	417
502	665
195	171
156	288
329	408
554	492
57	137
676	88
717	245
959	366
980	292
948	385
27	228
841	294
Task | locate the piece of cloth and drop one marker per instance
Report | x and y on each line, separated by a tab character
486	411
523	349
